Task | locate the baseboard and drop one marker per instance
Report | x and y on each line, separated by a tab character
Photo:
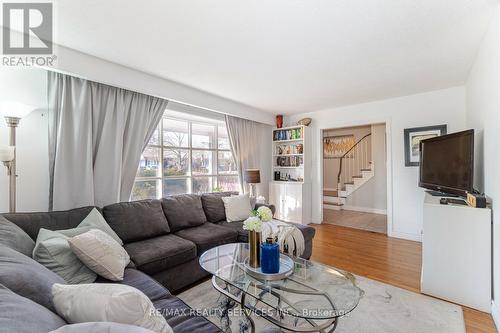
365	209
404	235
495	313
332	207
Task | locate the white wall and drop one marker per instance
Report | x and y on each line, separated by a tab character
92	68
30	87
445	106
372	196
483	114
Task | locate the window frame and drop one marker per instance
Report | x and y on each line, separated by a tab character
190	149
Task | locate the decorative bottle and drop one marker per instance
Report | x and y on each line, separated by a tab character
270	257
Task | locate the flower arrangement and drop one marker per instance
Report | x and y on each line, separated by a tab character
258	216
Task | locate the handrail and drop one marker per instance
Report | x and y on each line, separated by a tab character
347	152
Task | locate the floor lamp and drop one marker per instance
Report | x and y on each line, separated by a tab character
13	112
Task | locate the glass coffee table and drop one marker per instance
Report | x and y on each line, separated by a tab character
312	299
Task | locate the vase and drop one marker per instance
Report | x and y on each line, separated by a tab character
254	242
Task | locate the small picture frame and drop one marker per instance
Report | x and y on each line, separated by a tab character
413	136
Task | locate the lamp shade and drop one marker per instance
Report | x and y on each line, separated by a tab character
252	176
7	153
15	109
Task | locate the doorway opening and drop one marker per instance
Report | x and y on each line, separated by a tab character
355	177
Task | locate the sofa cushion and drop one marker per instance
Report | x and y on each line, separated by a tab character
183	211
31	223
236	226
181	317
160	253
214	206
101	327
26	277
137	220
208	235
14	237
137	279
21	315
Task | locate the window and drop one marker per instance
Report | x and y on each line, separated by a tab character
186	156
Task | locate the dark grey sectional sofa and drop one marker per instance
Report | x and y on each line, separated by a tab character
164	239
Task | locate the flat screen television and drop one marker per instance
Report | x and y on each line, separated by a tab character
447	163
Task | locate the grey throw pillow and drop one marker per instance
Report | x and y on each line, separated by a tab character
21	315
101	327
14	237
26	277
52	250
93	221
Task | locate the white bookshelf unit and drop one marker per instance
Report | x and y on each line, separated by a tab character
290	189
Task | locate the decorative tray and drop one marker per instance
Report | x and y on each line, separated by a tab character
286	269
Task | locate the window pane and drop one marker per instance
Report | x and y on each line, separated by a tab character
145	189
203	184
226	163
203	136
175	186
175	133
228	183
223	137
155	138
175	162
202	162
149	166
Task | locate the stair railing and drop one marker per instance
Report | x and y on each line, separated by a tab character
355	159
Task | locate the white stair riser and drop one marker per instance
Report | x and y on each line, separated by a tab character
332	207
333	200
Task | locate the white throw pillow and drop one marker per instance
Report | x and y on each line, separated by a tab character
238	207
107	302
101	327
101	253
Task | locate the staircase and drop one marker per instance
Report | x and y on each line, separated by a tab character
355	169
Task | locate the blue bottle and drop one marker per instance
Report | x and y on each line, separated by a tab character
269	257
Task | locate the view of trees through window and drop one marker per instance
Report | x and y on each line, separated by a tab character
186	157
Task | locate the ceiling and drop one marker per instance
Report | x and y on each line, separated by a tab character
285	56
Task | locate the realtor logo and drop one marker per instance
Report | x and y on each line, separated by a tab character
27	28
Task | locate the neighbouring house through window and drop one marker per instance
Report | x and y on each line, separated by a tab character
186	156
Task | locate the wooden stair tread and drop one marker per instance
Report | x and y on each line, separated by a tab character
349	183
331	193
357	176
366	169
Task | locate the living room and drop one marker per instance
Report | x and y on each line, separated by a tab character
172	171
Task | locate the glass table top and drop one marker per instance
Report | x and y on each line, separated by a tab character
313	291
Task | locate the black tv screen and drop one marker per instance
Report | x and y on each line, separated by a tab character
447	163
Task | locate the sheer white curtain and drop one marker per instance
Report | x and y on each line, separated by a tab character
96	136
251	148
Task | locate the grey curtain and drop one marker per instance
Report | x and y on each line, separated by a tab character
96	136
246	145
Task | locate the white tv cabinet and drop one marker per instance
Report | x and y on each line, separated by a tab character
456	253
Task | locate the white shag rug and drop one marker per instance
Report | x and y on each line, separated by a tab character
383	309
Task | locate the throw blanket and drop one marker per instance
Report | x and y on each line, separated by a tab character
290	238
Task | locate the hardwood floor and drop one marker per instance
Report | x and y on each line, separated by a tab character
357	220
378	257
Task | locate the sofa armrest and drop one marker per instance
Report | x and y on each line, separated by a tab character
271	207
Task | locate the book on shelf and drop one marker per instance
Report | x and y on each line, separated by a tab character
288	134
